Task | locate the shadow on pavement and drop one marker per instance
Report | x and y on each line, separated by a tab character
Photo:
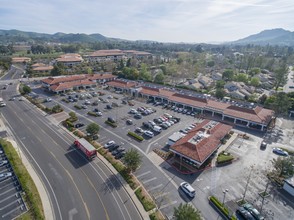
76	157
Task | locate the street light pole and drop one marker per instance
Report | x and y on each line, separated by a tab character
225	192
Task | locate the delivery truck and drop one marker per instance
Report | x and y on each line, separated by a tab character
86	148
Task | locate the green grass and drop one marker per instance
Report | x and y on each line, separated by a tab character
224	157
111	124
156	216
144	198
136	136
221	207
31	195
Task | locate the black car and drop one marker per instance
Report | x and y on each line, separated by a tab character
137	116
120	155
244	213
108	106
96	110
78	125
129	122
111	120
113	147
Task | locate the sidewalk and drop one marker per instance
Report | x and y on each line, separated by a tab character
39	184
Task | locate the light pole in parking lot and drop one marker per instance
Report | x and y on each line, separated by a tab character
225	192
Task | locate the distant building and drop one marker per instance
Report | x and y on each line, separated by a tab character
70	59
21	60
41	68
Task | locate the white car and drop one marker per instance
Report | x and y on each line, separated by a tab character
5	175
2	104
109	144
188	189
3	162
149	134
99	113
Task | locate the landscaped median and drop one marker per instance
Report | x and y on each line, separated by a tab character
111	123
221	208
224	158
136	136
31	195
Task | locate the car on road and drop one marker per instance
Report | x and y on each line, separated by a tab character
109	144
12	99
253	211
244	213
188	189
279	151
149	134
2	104
3	162
5	175
78	125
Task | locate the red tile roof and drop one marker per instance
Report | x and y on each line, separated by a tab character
68	85
156	92
102	76
42	68
121	84
70	57
189	100
204	148
103	53
54	80
20	59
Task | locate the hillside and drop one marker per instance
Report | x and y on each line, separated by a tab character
277	36
10	36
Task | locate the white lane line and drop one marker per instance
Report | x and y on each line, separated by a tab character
143	174
155	187
168	204
149	180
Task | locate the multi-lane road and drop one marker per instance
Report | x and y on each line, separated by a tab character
77	189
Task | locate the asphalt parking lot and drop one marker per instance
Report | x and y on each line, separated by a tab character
208	182
11	202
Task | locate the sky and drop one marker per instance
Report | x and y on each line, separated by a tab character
190	21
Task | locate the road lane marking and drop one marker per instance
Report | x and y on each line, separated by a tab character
149	180
143	174
79	192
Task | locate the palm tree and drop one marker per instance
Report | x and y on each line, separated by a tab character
186	211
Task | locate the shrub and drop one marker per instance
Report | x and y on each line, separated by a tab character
136	136
111	124
69	123
92	114
79	133
65	100
77	107
221	207
144	198
224	157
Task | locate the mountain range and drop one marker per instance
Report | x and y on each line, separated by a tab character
277	36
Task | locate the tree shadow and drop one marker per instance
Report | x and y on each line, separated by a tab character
111	184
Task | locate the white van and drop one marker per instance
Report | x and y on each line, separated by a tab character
188	189
157	129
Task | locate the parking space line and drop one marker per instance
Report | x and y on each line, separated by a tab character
149	180
17	200
13	210
7	191
143	174
12	183
8	197
161	195
155	187
168	204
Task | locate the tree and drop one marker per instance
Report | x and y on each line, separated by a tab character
283	166
210	63
26	89
281	75
159	78
242	77
128	62
144	74
228	75
132	160
186	211
92	129
58	70
220	84
255	81
281	103
56	108
220	93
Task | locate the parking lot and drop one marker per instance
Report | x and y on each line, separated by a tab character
11	202
159	184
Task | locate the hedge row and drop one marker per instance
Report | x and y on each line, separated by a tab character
65	100
221	208
146	201
31	196
136	136
77	107
111	124
92	114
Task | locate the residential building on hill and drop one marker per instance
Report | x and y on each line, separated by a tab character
21	60
70	59
41	68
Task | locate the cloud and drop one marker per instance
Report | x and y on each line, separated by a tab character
161	20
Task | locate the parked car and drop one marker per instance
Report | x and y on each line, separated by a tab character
78	125
139	130
244	213
263	145
113	147
120	155
12	98
253	211
137	116
5	175
108	106
109	144
84	107
149	134
188	189
133	111
111	119
129	122
87	102
3	162
279	151
99	113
